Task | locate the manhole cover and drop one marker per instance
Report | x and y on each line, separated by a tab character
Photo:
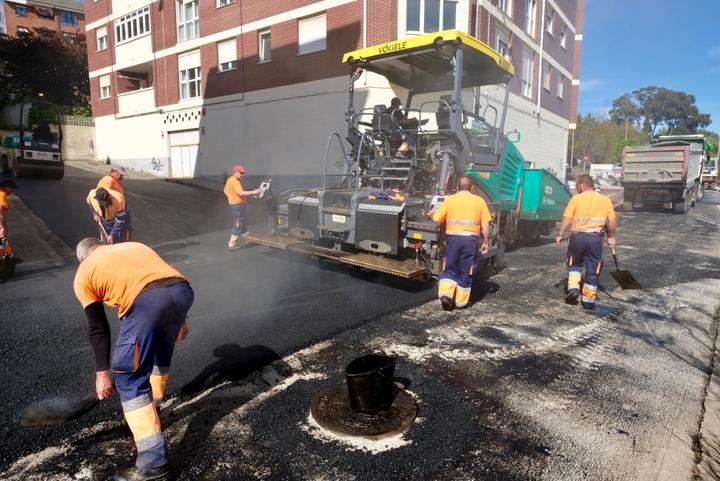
331	410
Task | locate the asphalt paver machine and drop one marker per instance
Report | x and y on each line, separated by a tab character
398	166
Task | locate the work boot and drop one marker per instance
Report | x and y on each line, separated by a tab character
572	296
447	303
588	305
161	473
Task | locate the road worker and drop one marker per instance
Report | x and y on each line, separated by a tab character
467	226
108	211
237	199
7	187
113	181
152	299
588	215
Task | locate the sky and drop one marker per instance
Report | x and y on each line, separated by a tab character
630	44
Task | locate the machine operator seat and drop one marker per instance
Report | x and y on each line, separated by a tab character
443	113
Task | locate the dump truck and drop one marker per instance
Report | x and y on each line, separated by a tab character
36	149
665	174
374	214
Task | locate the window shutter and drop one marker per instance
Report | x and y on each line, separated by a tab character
312	34
189	60
227	51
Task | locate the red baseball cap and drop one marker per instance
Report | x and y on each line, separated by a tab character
238	169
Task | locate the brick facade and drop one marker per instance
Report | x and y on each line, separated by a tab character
37	20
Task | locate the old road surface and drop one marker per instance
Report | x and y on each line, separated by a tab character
519	386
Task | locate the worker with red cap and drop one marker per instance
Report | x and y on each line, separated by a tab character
237	198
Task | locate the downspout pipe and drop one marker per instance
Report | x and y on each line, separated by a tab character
365	17
542	58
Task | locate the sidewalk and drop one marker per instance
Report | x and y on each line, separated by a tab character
33	241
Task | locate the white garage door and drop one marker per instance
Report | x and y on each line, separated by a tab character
183	153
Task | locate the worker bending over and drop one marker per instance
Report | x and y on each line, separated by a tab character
467	219
7	187
589	215
109	212
152	299
237	199
113	181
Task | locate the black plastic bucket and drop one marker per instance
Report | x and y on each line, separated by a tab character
370	383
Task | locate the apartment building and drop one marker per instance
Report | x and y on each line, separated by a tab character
37	16
184	88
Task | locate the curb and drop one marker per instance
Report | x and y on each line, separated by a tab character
41	239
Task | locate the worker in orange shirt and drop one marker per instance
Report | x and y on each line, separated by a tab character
108	210
113	181
588	215
467	232
237	199
152	299
7	187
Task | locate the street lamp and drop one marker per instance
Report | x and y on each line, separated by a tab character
626	126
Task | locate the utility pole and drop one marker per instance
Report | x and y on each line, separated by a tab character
626	127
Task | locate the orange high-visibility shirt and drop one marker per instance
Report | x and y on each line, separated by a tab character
4	204
589	212
117	205
109	183
463	213
116	274
232	186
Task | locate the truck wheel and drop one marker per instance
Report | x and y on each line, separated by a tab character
681	207
4	168
58	175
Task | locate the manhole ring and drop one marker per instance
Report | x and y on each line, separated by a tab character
331	410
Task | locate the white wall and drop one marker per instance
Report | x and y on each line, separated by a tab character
284	131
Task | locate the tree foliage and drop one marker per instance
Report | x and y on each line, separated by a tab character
660	108
45	63
602	139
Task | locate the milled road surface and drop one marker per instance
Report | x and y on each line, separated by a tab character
518	387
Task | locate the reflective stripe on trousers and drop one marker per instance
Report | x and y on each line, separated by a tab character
584	250
455	280
141	359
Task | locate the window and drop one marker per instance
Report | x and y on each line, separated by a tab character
265	47
21	10
105	92
132	25
502	42
530	14
505	6
187	19
546	76
68	18
527	72
312	33
561	86
102	38
222	3
227	56
563	37
549	21
425	16
190	81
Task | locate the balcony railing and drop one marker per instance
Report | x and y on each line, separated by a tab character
136	102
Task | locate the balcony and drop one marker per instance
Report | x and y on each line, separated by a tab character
136	102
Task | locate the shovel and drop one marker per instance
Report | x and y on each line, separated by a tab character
56	411
624	278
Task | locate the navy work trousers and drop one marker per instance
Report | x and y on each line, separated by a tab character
455	281
585	250
240	225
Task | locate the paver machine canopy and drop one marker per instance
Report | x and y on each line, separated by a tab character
461	138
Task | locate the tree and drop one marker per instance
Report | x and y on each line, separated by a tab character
656	107
602	139
47	63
